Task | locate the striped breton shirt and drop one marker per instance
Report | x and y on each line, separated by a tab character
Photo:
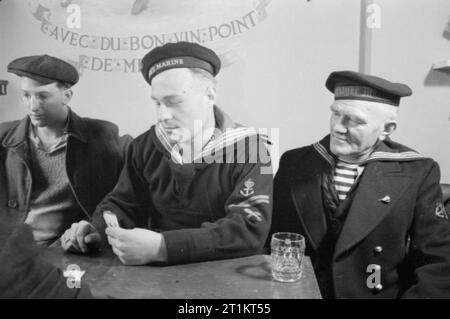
345	175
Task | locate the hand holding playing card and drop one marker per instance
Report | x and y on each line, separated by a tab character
110	219
137	246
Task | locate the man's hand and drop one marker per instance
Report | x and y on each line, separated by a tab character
137	246
81	237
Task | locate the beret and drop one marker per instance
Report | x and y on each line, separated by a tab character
179	55
350	85
44	69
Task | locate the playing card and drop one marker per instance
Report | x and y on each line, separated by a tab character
110	219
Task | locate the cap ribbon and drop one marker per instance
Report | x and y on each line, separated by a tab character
179	62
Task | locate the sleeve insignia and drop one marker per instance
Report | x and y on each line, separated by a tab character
248	190
440	211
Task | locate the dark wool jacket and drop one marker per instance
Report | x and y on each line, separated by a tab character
206	210
395	223
94	159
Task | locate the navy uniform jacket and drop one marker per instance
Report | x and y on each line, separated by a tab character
406	235
205	210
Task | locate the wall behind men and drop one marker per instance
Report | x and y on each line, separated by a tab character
412	36
274	71
274	75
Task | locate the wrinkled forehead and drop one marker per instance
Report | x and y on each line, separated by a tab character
359	107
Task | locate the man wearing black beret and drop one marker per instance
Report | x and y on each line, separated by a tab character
57	165
371	209
197	185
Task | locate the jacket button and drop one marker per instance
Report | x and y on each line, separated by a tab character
377	250
12	203
379	287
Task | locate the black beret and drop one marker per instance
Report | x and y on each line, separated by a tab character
179	55
44	69
350	85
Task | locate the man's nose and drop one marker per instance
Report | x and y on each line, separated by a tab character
34	103
338	126
164	113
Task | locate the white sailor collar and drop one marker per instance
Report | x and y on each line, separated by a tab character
225	134
387	150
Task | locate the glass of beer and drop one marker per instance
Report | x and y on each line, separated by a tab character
287	251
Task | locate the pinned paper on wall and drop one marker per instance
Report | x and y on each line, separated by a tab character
3	86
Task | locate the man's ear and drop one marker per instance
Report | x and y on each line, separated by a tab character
389	127
67	96
211	94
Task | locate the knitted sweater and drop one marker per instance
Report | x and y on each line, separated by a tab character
53	207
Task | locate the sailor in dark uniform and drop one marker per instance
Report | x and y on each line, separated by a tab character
370	208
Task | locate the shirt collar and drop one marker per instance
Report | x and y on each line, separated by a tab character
61	143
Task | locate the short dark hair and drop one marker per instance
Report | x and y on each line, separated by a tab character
63	85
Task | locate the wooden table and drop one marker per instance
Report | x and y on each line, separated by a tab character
240	278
